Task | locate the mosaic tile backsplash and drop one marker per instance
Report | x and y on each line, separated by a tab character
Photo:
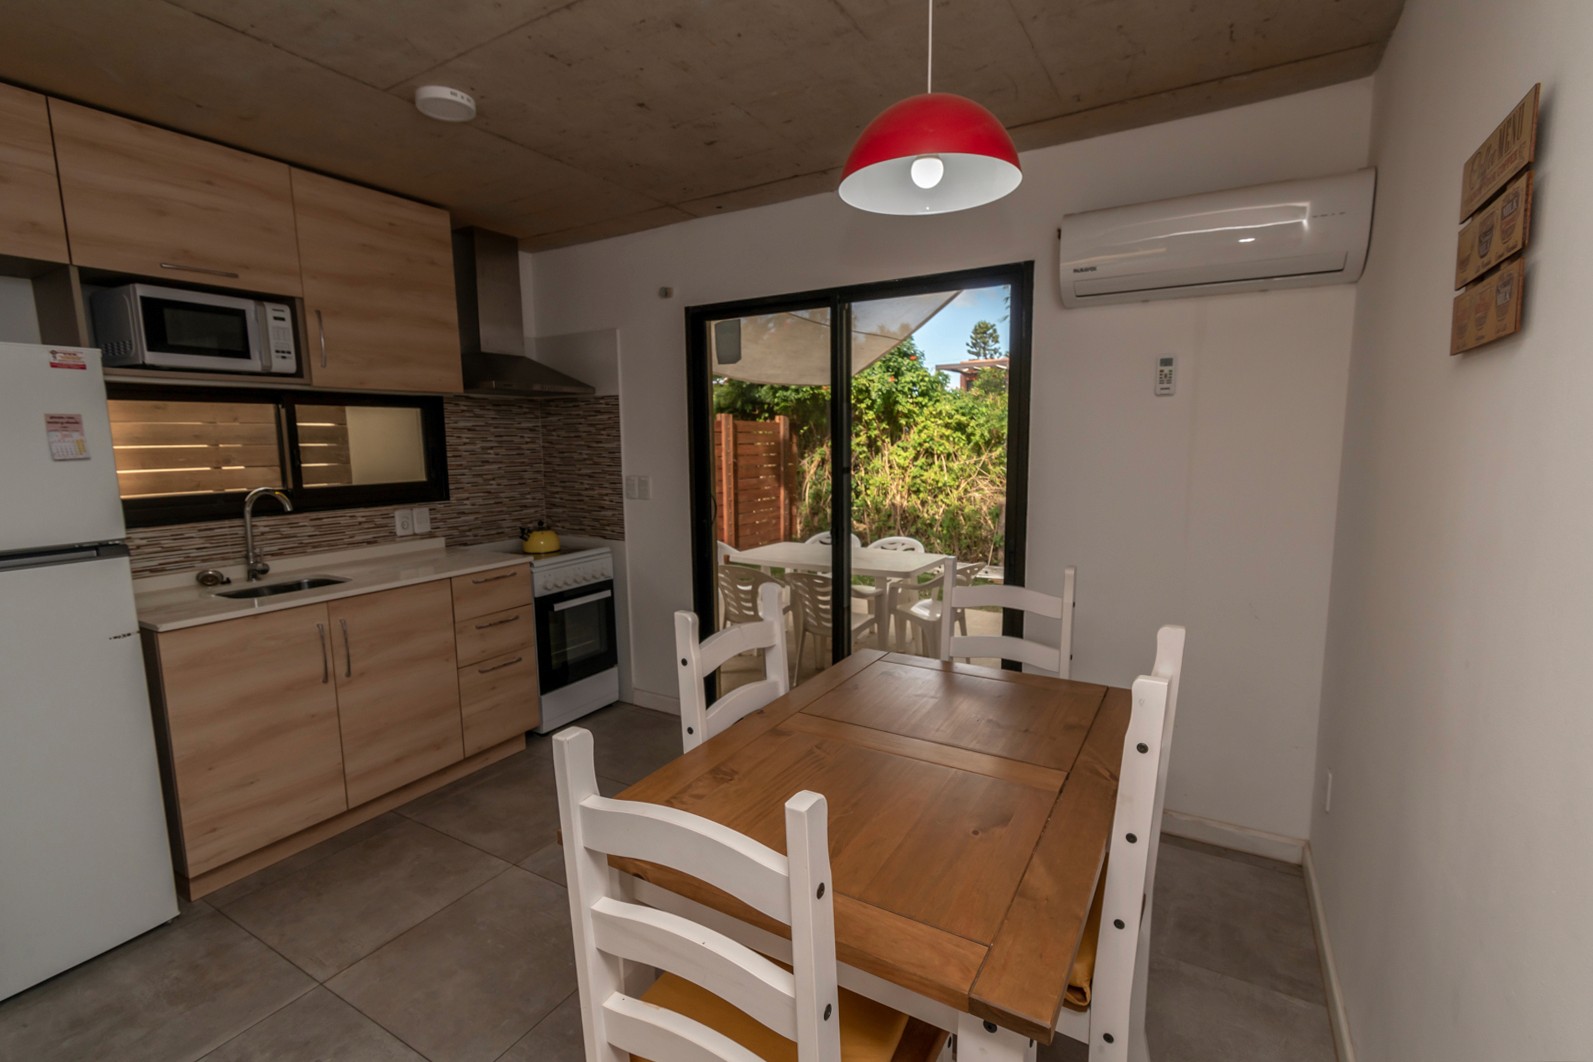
511	462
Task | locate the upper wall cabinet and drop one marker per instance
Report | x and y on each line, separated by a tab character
30	201
144	200
378	288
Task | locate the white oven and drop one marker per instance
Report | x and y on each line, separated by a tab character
173	328
577	652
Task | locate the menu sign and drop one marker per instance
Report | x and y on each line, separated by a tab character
1498	231
1507	150
1490	309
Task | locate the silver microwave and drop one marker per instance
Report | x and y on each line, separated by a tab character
172	328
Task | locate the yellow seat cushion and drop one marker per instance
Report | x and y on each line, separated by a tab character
870	1031
1083	969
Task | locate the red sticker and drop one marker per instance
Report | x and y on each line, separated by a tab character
67	359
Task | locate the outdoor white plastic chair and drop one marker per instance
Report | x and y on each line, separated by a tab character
823	539
699	720
1056	658
1114	1023
813	609
738	592
716	998
895	543
916	609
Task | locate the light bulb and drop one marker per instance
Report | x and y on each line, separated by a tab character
927	170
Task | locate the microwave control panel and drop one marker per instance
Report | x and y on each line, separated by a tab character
282	357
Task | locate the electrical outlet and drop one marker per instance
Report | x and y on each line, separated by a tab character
630	487
644	488
422	519
1327	794
404	522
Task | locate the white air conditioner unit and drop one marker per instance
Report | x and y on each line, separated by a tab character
1287	235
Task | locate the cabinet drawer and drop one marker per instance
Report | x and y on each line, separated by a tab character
498	699
482	593
494	634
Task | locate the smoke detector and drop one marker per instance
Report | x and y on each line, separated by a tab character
445	104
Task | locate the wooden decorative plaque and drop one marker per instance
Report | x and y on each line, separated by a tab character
1498	231
1490	309
1504	154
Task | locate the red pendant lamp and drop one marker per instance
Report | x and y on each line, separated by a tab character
930	154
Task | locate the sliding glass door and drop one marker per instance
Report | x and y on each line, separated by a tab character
843	441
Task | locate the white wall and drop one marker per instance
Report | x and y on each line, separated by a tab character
19	322
1455	867
1214	508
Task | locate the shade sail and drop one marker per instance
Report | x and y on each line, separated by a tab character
792	348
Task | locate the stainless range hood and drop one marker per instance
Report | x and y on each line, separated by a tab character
491	328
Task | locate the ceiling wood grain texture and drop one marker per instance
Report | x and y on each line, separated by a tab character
601	117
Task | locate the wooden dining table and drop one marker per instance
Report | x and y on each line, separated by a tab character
969	815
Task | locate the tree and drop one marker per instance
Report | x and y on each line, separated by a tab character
984	342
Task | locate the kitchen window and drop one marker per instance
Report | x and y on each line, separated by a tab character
190	454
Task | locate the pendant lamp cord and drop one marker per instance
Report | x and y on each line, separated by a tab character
929	72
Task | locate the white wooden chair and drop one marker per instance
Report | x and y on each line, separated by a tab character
1056	658
699	720
813	611
716	998
1114	1024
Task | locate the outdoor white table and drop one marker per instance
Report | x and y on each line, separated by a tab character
881	565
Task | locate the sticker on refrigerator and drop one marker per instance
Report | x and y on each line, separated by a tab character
67	359
67	442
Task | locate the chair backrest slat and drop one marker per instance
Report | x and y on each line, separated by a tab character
1123	955
641	1029
609	931
1055	657
657	938
699	720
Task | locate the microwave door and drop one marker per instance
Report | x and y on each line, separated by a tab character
188	334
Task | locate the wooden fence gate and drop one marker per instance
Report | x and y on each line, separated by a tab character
755	479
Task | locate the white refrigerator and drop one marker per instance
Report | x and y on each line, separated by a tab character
84	858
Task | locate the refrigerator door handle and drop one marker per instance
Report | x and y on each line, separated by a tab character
326	664
348	651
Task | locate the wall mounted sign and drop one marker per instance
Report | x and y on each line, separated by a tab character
1490	309
1506	152
1496	195
1498	231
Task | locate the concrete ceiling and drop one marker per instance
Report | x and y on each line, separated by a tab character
600	117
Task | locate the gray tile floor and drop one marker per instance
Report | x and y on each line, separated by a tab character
440	931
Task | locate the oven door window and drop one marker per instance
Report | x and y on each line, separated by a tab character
175	327
575	634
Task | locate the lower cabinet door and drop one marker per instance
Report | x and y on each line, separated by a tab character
252	722
397	687
498	699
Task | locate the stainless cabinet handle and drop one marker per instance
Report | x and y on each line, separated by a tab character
510	574
320	328
348	651
499	667
498	623
199	269
326	664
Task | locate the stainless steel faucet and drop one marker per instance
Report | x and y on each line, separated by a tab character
254	564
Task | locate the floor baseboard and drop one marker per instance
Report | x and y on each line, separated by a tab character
1338	1016
1239	838
658	702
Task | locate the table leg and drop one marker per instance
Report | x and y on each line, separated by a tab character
983	1041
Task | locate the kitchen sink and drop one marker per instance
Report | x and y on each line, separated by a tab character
309	582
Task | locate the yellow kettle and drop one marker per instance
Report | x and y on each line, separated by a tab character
540	539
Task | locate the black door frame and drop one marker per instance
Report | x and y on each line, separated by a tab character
1018	276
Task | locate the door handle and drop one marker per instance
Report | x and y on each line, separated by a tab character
320	328
510	574
348	651
498	623
199	269
499	667
326	664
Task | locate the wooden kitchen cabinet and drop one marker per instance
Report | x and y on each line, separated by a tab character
251	730
498	698
378	288
30	199
397	682
143	200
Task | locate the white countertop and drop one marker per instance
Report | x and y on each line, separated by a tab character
172	602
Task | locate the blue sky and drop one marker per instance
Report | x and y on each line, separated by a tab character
945	338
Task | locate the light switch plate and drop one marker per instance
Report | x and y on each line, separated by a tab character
422	519
404	522
644	488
